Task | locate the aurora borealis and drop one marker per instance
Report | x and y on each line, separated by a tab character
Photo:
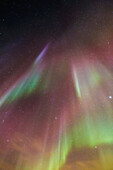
56	86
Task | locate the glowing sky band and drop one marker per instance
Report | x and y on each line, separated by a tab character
26	84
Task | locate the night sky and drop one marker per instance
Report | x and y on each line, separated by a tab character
56	85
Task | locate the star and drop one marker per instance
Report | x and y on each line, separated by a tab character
56	117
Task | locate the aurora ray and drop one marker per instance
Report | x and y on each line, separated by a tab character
26	84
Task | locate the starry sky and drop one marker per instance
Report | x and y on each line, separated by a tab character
56	85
